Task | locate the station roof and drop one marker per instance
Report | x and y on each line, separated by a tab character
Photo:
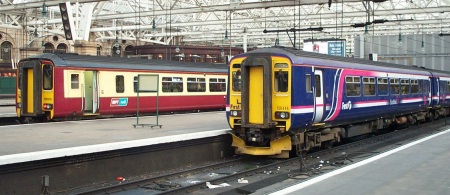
235	22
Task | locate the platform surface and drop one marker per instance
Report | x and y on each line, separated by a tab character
420	167
48	140
7	111
7	101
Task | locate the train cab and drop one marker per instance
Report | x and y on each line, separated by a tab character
35	89
260	104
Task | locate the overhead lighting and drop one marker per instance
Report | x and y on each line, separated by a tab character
359	25
380	21
294	30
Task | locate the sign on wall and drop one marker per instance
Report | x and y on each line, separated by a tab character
335	47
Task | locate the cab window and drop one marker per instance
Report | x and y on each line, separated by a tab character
236	76
47	75
281	81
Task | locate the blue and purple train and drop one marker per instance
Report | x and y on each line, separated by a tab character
281	98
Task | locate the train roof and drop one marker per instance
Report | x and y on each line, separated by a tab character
304	57
85	61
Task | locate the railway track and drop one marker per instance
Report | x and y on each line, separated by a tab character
252	173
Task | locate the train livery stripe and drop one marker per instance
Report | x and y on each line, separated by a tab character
306	109
411	100
366	104
302	109
336	92
350	72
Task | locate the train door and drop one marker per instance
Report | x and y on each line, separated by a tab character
30	88
319	107
256	95
256	92
91	98
74	88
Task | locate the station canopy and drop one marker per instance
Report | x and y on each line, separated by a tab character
256	23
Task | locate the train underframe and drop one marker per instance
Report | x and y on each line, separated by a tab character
280	144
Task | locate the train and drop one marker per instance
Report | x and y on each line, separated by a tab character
65	86
284	101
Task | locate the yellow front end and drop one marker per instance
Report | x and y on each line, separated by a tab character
260	105
35	90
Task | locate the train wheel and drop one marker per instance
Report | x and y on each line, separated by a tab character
27	120
328	144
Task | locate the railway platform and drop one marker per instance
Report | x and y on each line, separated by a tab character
419	167
7	101
30	142
8	111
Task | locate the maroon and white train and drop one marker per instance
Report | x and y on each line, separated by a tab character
51	86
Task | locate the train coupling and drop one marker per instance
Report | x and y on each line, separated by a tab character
276	147
255	137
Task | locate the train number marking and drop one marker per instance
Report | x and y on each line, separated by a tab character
283	108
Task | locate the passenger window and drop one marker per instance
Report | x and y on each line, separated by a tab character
383	86
426	86
352	86
420	84
308	84
236	80
47	72
217	85
394	86
448	86
74	81
120	84
281	81
172	84
318	85
369	86
196	85
414	87
405	86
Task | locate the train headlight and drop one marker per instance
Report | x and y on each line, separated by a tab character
281	115
48	106
235	113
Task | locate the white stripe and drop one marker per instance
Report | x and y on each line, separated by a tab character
409	76
411	100
302	110
371	104
353	166
335	90
47	154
